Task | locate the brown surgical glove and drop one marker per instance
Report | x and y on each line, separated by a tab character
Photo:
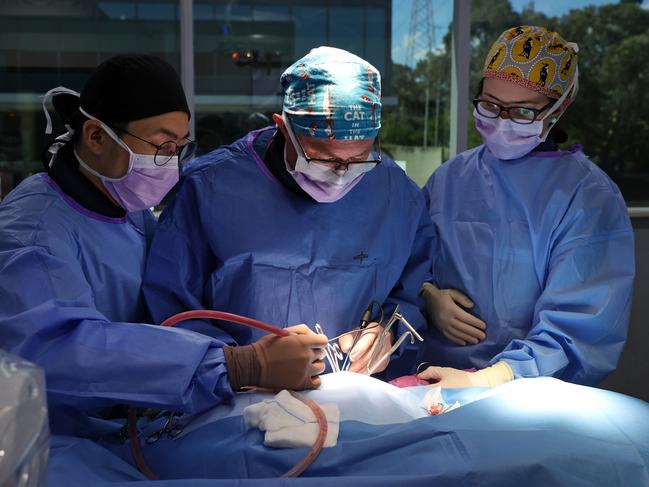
292	362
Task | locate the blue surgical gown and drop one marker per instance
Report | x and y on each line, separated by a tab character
71	302
543	246
234	239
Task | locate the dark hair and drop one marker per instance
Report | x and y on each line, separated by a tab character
67	108
557	134
479	89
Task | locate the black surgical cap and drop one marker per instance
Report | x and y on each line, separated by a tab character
126	88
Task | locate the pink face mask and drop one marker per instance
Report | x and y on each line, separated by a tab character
322	183
144	184
508	140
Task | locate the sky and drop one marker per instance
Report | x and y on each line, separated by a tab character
443	13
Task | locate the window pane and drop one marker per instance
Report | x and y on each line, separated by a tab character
240	56
346	27
416	116
310	29
49	44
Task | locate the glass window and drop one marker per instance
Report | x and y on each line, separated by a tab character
609	116
346	28
264	12
156	10
49	44
416	102
310	29
239	55
203	11
118	10
241	48
241	52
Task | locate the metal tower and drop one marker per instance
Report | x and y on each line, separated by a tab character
421	38
421	43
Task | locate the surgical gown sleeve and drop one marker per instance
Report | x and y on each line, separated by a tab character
47	315
581	317
406	292
180	262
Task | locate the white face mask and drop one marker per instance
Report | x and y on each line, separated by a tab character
321	182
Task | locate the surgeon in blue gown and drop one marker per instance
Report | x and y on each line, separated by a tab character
534	262
299	222
73	243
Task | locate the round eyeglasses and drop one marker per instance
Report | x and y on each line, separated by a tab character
338	165
167	150
522	115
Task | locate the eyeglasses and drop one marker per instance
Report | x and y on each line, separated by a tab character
334	354
165	151
522	115
335	164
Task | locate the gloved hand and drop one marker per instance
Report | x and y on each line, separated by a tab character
363	349
292	362
451	378
443	310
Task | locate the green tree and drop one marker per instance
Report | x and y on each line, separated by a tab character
402	125
611	112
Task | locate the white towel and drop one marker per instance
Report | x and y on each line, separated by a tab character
289	423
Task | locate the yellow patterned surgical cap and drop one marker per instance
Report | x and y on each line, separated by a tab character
535	58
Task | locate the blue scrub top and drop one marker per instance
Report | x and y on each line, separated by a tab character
71	302
543	246
234	239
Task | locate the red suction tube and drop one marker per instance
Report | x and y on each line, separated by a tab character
311	455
